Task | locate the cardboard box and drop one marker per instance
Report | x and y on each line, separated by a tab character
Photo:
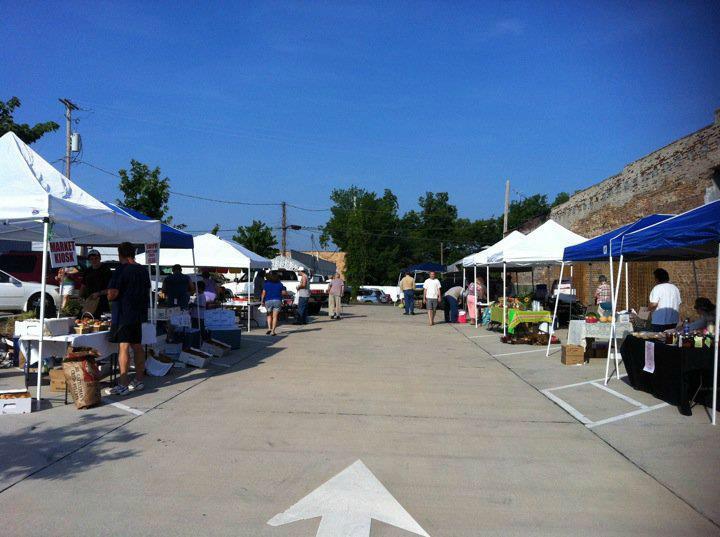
195	358
15	404
572	355
163	313
229	337
57	380
53	327
216	348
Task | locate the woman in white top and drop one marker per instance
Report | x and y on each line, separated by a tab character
664	302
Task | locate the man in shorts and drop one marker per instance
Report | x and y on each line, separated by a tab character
431	296
129	290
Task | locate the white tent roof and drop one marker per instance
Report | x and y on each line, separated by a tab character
481	258
34	190
543	245
287	263
212	251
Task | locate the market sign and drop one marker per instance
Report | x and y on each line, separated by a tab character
62	254
151	253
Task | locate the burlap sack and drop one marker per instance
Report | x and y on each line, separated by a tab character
82	378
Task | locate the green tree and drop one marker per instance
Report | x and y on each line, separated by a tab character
561	198
215	230
23	131
257	237
145	191
526	209
365	226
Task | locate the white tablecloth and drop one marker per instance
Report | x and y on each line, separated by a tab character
579	330
57	345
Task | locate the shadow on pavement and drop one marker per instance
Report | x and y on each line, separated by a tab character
31	449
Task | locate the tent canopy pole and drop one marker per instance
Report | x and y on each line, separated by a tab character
504	299
46	225
557	299
613	341
715	364
475	292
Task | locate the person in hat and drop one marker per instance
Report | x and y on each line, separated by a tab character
94	288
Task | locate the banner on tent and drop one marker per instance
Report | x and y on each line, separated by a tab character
62	253
151	253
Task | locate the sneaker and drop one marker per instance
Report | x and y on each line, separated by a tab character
135	386
118	389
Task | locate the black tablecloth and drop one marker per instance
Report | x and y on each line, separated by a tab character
678	372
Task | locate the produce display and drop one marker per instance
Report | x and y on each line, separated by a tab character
88	326
23	395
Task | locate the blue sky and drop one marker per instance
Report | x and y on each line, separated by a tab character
271	101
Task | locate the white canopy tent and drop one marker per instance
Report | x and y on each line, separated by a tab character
287	263
542	246
39	203
213	251
481	259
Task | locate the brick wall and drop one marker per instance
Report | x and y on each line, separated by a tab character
670	180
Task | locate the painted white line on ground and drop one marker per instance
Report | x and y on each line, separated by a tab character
347	504
618	394
579	384
567	407
220	365
128	409
626	415
519	352
485	335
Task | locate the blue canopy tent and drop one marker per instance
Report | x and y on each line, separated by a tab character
694	234
600	248
169	238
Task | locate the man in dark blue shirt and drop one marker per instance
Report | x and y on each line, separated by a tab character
129	290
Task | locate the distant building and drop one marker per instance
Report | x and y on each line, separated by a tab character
334	257
315	263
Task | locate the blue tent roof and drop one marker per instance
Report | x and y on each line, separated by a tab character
694	234
599	248
426	267
169	236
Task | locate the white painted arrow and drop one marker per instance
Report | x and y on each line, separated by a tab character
347	503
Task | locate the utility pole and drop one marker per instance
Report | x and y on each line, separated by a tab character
69	107
507	207
284	228
441	254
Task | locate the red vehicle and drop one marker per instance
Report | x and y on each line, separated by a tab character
27	267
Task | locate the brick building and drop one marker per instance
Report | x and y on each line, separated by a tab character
673	179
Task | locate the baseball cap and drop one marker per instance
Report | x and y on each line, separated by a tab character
93	252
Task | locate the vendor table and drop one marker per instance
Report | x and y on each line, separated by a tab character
260	319
58	345
578	331
677	375
516	317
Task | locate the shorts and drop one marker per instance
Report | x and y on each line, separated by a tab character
128	333
432	304
273	305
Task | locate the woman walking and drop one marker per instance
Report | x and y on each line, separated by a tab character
272	300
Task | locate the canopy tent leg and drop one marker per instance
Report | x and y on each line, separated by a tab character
715	364
612	299
612	344
157	286
504	299
150	301
248	295
195	272
475	293
557	300
46	225
627	288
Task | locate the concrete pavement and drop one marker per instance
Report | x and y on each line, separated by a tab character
461	440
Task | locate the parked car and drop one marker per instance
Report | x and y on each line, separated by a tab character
372	296
290	279
17	295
